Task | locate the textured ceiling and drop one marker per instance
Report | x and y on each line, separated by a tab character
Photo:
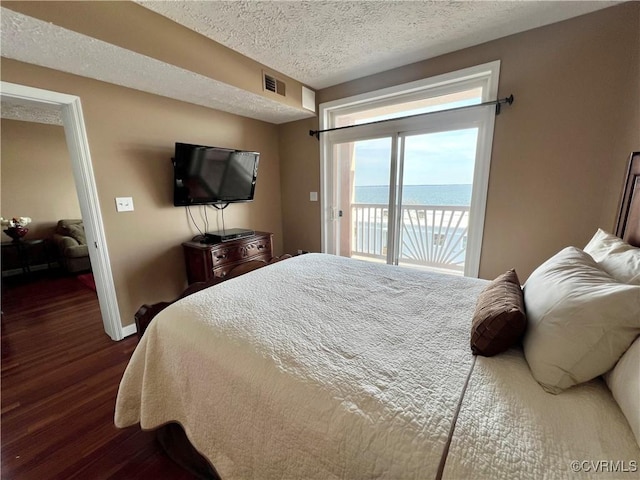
319	43
323	43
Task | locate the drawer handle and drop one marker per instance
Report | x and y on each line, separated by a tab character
260	247
219	257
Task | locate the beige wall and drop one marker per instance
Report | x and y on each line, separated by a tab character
559	152
131	138
37	180
300	176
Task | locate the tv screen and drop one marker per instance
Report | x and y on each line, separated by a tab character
209	175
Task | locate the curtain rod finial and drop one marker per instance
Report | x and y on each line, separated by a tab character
508	100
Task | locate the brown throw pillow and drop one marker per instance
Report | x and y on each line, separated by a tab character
499	320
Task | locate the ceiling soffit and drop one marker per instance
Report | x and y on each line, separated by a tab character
29	113
42	43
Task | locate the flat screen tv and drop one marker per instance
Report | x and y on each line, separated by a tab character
212	175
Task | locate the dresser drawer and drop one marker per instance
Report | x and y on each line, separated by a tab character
224	270
206	261
224	255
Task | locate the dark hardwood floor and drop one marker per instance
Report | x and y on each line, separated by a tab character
60	375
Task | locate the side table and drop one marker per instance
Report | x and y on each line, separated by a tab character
23	247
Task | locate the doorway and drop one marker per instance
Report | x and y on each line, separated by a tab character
424	220
70	109
409	189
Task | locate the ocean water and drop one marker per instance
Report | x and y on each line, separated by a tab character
451	195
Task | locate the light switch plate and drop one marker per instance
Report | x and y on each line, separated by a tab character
313	196
124	204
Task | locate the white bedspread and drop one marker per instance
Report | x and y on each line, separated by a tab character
320	367
509	427
315	367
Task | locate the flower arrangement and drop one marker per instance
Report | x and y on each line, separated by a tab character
16	227
15	222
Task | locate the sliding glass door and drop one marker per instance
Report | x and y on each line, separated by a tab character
405	199
434	198
405	172
363	185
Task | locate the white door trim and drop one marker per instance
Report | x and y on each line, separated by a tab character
78	145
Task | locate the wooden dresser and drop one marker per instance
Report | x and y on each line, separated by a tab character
206	261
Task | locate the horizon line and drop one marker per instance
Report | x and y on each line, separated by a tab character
421	185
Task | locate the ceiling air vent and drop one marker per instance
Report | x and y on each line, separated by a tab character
274	85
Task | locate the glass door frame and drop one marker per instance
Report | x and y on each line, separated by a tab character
483	118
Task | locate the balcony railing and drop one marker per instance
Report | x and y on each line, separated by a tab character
431	236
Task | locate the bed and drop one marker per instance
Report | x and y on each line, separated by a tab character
321	367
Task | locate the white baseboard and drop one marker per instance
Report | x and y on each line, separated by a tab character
129	330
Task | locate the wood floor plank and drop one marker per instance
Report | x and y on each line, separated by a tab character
60	374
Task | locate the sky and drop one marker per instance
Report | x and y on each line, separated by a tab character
443	158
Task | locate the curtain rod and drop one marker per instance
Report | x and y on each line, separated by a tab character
497	103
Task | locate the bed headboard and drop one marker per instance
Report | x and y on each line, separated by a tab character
628	226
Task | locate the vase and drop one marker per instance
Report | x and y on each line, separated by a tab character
16	233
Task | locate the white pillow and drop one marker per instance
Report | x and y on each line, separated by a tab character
624	383
580	320
615	256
